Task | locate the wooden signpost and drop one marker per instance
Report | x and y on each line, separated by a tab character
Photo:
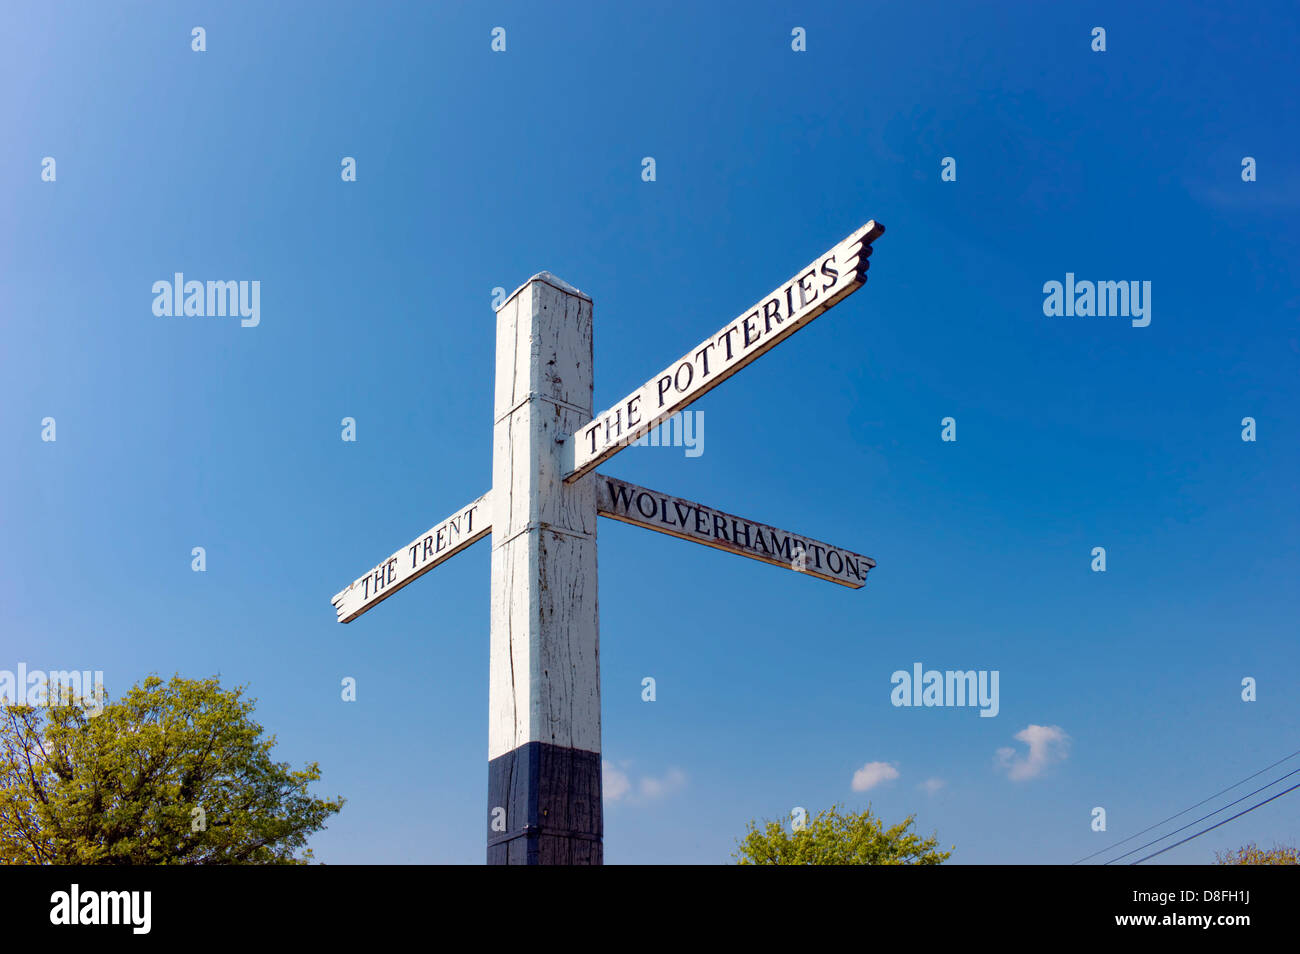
544	781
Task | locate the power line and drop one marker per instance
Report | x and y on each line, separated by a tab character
1212	827
1189	808
1202	818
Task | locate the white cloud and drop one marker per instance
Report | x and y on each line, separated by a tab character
1047	744
614	782
872	774
673	781
618	785
932	785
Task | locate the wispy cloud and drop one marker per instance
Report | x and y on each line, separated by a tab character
619	785
673	781
1047	744
932	785
872	774
614	782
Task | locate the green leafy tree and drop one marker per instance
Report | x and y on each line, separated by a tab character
1252	854
174	773
835	838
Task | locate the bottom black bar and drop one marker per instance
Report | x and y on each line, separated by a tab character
334	905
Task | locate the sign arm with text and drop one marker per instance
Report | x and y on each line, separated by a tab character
716	528
828	280
466	526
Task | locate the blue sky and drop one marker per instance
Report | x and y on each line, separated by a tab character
477	169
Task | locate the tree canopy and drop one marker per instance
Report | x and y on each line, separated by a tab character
835	838
1252	854
173	773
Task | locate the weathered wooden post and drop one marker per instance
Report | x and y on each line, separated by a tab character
544	770
544	784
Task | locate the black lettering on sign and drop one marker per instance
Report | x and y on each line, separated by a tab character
772	310
831	273
804	300
717	528
618	424
703	355
664	384
726	336
620	495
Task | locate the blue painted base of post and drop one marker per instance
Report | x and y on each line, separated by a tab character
553	812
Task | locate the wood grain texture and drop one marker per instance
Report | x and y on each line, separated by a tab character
544	661
831	278
551	799
688	520
443	541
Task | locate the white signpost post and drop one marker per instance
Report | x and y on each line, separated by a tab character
544	781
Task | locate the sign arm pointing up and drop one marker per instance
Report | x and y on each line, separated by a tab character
825	282
465	527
